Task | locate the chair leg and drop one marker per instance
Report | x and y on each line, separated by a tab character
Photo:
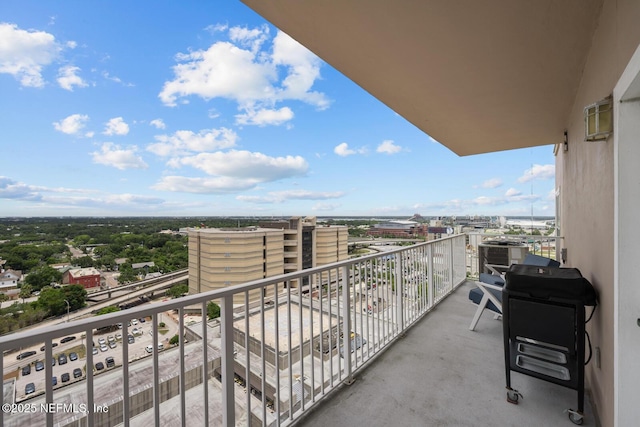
479	310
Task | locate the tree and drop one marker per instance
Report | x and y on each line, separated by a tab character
175	340
85	261
25	292
76	295
3	297
213	310
178	290
108	309
42	276
127	274
52	300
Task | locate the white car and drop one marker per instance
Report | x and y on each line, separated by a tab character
149	349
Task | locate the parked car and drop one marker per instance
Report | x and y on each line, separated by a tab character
65	377
25	355
26	370
134	322
110	362
149	349
73	356
118	336
142	320
39	365
67	339
95	350
62	359
99	366
77	373
30	388
102	341
131	339
104	348
113	345
53	344
54	380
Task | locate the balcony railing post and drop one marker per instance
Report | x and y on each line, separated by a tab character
430	285
346	323
400	289
451	266
228	372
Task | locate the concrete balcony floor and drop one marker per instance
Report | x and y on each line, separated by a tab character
442	374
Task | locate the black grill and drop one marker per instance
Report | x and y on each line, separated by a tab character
544	327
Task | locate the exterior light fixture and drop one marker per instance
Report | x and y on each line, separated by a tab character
564	144
598	120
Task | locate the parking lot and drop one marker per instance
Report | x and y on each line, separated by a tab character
30	370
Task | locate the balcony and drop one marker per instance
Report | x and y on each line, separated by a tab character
408	362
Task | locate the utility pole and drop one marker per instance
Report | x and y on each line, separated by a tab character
68	306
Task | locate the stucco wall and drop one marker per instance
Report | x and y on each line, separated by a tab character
585	176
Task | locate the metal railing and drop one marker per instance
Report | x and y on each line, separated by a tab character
273	353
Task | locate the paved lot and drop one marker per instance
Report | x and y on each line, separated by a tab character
137	350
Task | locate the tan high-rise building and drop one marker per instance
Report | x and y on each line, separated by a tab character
219	258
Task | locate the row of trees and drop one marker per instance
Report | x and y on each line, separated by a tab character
52	302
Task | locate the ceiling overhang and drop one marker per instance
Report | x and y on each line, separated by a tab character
476	76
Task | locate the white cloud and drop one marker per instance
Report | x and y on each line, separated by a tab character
325	207
265	117
343	150
388	147
126	199
246	165
116	126
512	192
24	54
492	183
158	124
224	70
108	76
218	185
538	172
251	38
119	158
185	141
10	189
303	71
71	125
68	78
483	200
57	196
282	196
216	28
247	72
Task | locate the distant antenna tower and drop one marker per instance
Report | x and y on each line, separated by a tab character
532	199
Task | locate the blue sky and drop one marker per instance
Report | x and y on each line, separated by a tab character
203	108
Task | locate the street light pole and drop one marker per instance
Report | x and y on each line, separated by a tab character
67	310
